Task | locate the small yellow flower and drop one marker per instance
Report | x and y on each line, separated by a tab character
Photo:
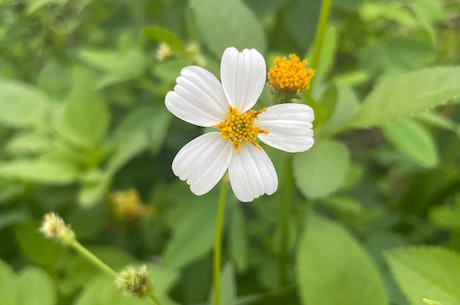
134	282
127	204
54	227
290	75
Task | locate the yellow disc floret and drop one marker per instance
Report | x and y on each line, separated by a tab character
290	75
239	128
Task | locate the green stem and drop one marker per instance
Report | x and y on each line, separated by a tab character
288	187
320	29
92	258
218	241
154	300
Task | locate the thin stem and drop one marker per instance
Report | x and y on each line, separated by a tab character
218	241
92	258
152	298
320	29
288	186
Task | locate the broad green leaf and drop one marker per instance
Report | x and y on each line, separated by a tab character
426	272
321	170
35	287
163	280
38	4
238	239
193	225
119	65
411	139
303	15
43	170
447	216
13	217
228	23
192	238
164	35
86	116
345	108
94	188
36	247
8	286
228	285
408	94
28	143
332	267
101	290
141	129
22	105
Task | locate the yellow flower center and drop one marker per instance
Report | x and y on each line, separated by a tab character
239	128
290	74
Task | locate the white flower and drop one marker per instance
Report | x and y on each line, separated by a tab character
200	99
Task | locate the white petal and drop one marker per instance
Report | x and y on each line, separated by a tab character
203	161
289	126
252	174
243	76
198	98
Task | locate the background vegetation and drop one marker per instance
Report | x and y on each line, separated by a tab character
374	208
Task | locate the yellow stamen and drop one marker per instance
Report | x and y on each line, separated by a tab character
239	128
290	75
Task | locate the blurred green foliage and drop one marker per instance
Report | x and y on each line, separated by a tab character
82	118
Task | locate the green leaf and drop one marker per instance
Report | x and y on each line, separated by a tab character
190	214
408	94
94	187
426	272
447	216
117	65
228	285
410	138
86	116
164	35
321	170
238	239
42	170
163	280
36	247
35	287
141	129
228	23
100	290
332	267
8	286
28	143
345	108
22	105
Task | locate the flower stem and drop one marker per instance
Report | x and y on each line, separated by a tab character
92	258
288	187
103	266
320	29
218	241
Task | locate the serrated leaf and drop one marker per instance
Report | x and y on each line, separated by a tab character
408	94
21	105
86	116
321	170
411	139
427	272
35	287
332	268
228	23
